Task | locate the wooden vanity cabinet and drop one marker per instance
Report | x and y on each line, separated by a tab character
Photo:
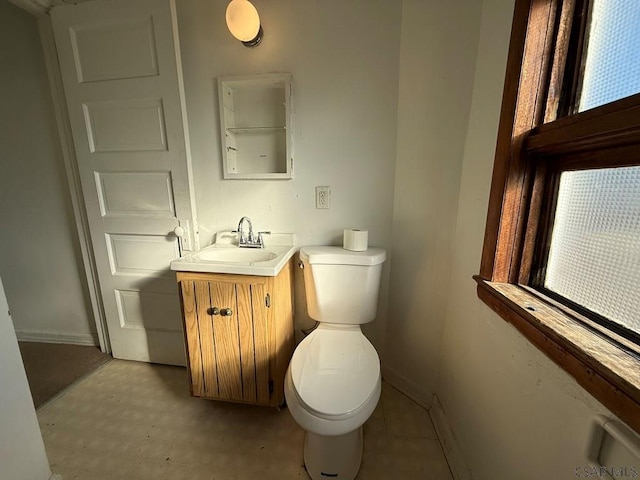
238	334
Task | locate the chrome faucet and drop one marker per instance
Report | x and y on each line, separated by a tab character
248	240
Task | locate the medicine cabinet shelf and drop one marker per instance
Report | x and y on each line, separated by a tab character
255	125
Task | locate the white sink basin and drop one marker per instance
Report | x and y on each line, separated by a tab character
237	255
225	256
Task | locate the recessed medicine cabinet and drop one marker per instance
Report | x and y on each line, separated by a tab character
256	126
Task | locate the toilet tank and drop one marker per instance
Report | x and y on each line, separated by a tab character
342	286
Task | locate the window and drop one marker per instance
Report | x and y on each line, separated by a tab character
561	258
611	58
593	259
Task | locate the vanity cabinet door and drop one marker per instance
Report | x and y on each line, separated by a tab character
239	334
227	338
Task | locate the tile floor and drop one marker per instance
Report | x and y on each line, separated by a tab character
136	421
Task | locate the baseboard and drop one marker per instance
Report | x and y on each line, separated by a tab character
407	387
57	337
459	468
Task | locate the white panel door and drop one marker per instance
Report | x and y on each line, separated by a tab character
121	71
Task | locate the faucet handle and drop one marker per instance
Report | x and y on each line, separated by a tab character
261	238
241	238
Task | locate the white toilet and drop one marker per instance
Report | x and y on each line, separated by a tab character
333	382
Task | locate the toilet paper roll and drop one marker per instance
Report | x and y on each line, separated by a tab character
355	240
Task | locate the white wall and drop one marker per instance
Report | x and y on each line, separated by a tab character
343	57
39	252
515	413
22	454
437	57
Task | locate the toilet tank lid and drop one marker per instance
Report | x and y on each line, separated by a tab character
340	256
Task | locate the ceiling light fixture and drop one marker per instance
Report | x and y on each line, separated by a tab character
243	22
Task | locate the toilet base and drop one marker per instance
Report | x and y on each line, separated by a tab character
333	457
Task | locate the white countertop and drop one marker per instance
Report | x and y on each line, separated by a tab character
280	245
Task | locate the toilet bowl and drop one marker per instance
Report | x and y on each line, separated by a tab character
333	382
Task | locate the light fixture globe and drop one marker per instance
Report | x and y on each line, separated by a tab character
243	22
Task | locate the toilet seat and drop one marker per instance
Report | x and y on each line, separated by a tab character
334	371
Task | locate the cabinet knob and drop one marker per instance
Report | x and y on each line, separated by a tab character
226	312
213	311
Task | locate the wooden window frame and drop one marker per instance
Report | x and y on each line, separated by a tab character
533	147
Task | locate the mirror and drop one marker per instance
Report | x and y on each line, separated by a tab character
256	126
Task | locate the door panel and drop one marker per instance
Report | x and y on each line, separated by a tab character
246	341
204	340
145	310
125	126
261	339
226	338
120	194
192	314
121	77
97	49
142	254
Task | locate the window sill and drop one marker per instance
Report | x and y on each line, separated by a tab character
606	371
